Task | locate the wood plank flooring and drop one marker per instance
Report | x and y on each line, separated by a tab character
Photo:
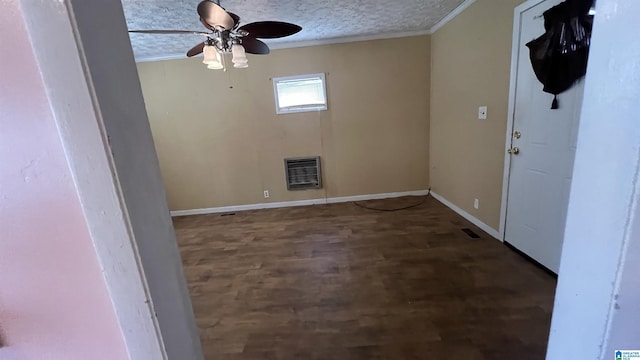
342	282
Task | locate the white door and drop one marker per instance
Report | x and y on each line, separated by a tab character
540	174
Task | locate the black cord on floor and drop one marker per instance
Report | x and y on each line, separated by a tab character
397	209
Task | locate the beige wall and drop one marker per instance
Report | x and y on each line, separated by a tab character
221	143
470	66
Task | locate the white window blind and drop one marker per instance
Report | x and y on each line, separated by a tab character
300	93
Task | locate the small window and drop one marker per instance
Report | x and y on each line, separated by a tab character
300	93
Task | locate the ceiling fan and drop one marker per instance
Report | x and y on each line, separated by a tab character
226	36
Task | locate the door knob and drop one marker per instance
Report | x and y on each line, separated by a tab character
517	134
514	151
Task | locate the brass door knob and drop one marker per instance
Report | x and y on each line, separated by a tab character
517	134
514	151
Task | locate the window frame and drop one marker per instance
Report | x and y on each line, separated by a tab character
281	111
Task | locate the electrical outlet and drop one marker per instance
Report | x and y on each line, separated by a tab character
482	113
266	194
476	203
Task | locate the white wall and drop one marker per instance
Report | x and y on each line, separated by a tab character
597	308
117	87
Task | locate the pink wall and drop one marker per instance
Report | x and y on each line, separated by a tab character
53	299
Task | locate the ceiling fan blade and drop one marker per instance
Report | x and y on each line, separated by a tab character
271	29
254	46
168	32
236	18
206	25
215	15
196	50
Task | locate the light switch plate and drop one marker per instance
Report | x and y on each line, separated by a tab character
482	113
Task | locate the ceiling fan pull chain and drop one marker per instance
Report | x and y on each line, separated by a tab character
224	63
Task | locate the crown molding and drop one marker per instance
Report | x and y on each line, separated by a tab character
348	39
457	11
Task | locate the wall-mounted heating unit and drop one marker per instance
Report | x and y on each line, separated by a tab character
303	173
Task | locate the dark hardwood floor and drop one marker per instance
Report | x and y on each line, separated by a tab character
342	282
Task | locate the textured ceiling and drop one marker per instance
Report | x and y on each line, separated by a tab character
320	19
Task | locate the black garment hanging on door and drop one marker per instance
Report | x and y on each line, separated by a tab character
559	57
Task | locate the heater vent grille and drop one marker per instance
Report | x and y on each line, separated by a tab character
303	173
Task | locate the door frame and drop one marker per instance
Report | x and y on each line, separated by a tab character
82	133
515	45
72	81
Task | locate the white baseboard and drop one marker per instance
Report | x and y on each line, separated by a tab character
226	209
376	196
274	205
486	228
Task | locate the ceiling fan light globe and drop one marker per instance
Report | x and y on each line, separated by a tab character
210	54
215	66
236	59
239	55
212	58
